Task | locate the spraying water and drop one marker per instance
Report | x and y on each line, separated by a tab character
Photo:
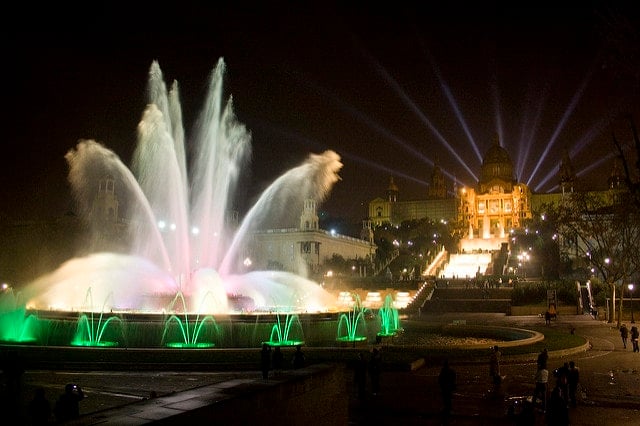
178	237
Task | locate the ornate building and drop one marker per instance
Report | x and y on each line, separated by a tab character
307	247
498	203
438	205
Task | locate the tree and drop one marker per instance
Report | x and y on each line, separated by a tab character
604	230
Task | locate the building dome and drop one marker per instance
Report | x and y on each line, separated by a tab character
496	165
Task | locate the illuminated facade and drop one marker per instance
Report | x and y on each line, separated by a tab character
495	206
438	205
498	203
306	248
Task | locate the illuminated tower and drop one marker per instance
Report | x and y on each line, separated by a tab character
567	175
437	187
104	209
309	217
392	191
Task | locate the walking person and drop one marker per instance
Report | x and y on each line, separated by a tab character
634	338
447	383
624	334
541	389
573	379
265	360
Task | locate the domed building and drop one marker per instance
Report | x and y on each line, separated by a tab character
487	212
498	203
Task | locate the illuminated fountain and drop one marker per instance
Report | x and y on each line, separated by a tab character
92	326
286	333
16	324
198	333
179	239
352	325
389	318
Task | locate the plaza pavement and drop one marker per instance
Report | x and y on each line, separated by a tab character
610	380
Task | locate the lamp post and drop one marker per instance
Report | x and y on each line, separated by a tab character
631	294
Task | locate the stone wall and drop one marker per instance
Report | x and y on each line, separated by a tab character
315	395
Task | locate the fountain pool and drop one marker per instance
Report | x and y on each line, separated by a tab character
177	237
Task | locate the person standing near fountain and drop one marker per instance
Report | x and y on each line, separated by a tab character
375	369
67	406
541	390
298	358
447	383
278	360
494	366
265	360
39	408
543	358
360	375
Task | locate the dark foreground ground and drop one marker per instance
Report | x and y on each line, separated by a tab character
609	393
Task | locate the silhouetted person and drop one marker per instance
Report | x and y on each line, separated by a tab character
573	379
543	358
277	360
265	360
360	375
634	338
494	365
447	383
39	408
375	369
541	389
298	357
557	412
562	381
12	372
67	406
624	334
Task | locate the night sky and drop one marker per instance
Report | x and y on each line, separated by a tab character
393	91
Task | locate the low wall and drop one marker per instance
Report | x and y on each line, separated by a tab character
316	396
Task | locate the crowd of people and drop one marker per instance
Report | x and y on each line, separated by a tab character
554	402
634	333
65	408
273	360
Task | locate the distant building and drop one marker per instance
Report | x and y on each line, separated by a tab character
487	212
438	205
307	247
496	204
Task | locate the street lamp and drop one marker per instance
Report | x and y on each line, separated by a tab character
631	294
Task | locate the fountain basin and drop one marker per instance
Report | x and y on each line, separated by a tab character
155	330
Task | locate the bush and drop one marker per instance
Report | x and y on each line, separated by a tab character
528	294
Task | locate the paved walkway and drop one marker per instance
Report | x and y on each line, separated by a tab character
610	379
610	383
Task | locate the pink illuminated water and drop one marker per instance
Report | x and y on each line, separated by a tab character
178	236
